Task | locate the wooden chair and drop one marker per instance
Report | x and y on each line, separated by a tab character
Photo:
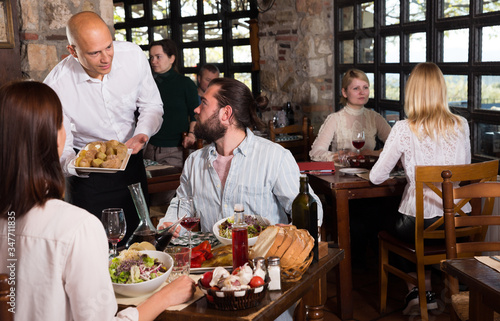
428	177
299	147
458	224
4	299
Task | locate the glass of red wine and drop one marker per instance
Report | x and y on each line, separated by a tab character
186	206
113	220
358	140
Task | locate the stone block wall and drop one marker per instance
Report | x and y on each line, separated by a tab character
43	31
297	59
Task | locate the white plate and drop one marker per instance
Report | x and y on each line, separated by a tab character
101	170
208	268
352	171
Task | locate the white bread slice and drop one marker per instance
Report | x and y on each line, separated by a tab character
293	250
280	237
264	242
309	241
287	241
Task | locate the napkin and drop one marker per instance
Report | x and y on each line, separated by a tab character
120	299
489	262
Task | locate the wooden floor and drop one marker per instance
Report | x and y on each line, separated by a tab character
365	284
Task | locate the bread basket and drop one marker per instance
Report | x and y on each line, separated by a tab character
294	273
234	300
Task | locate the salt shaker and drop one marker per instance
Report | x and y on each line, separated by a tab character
274	270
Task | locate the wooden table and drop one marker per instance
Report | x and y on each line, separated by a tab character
165	179
311	288
339	189
483	283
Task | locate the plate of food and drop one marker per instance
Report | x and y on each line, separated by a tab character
135	273
222	229
204	258
102	157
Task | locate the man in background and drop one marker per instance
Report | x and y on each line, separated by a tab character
205	76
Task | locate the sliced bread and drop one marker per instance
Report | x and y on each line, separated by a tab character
264	242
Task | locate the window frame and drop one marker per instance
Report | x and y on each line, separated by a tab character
175	22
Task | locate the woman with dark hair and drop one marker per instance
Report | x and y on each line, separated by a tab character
180	97
60	250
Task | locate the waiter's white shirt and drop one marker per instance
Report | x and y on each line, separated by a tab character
104	110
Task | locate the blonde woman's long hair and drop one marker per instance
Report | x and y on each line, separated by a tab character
426	103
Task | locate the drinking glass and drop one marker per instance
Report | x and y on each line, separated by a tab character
115	226
186	206
358	140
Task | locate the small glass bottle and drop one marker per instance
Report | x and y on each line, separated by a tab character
274	271
239	234
305	212
289	113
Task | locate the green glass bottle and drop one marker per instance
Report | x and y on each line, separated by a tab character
305	212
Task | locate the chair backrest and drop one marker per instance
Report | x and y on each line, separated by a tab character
457	223
299	147
430	177
5	314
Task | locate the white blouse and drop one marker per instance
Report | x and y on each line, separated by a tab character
337	131
403	144
60	265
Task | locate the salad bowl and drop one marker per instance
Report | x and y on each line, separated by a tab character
138	289
226	241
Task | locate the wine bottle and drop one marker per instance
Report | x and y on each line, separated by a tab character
305	212
289	114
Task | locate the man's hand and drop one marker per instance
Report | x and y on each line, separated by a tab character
166	225
137	142
188	140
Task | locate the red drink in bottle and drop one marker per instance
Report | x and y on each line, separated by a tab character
240	246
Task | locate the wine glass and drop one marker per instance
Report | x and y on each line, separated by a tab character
115	226
358	140
186	206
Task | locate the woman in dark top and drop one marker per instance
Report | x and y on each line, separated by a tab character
180	98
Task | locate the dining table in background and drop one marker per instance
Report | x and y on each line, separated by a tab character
483	283
338	189
311	288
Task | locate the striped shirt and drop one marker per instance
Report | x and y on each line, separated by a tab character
263	176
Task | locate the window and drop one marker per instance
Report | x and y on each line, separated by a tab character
205	31
387	38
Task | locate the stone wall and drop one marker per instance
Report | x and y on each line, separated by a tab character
43	31
296	58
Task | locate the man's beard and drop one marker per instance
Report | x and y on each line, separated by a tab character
211	130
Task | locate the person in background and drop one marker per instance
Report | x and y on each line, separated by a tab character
336	132
102	84
431	135
205	75
180	98
61	250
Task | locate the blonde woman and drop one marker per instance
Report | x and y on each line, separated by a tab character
431	135
338	127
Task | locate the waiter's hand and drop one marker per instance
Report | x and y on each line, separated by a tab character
137	142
